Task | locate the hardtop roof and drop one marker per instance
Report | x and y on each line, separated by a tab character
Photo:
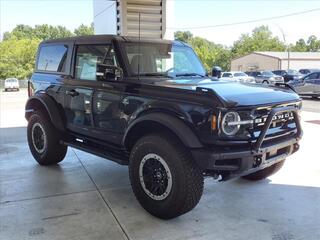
108	38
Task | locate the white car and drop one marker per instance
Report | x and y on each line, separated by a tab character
237	77
11	84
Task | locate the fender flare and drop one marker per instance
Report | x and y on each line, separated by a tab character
49	105
174	124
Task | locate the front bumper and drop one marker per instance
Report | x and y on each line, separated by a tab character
234	162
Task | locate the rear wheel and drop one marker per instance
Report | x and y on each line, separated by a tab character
264	173
164	178
43	140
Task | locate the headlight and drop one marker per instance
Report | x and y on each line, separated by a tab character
230	129
272	79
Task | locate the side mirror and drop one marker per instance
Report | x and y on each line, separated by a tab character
108	72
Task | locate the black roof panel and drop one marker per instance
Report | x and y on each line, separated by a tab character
108	38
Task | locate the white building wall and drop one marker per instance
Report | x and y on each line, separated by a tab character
299	64
254	62
169	19
106	19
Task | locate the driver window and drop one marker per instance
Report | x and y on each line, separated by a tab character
88	58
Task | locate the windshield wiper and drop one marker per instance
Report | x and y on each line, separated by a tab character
189	75
155	75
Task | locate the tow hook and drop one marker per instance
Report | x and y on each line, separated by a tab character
296	147
257	161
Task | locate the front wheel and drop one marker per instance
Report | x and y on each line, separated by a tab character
43	140
264	173
164	178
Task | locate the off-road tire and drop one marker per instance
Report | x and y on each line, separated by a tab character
264	173
187	179
53	152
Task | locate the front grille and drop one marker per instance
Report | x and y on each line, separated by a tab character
282	124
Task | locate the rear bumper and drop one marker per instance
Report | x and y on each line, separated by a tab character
11	87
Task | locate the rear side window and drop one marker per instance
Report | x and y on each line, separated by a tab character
52	58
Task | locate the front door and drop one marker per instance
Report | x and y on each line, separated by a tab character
306	85
92	100
316	87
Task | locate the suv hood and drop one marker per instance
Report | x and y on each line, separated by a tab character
235	94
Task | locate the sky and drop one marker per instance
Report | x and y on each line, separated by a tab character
187	14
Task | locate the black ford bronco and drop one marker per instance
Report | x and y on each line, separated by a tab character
149	104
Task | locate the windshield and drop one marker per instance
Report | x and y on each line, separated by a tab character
240	74
154	59
226	75
11	80
268	73
293	72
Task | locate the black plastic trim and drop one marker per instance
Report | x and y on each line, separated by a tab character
177	126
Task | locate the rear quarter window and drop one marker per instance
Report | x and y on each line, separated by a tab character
52	58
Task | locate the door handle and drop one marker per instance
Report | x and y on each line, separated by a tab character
72	93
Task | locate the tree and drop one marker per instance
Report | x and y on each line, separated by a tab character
18	48
313	44
17	57
43	32
261	39
46	32
210	54
84	30
300	46
21	31
184	36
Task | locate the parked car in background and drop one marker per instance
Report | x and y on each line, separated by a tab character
266	77
11	84
288	75
306	71
237	77
308	85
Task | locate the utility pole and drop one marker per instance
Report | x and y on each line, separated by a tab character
287	46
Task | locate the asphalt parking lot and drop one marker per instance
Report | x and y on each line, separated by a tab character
87	197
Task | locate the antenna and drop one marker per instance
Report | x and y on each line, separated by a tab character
139	50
